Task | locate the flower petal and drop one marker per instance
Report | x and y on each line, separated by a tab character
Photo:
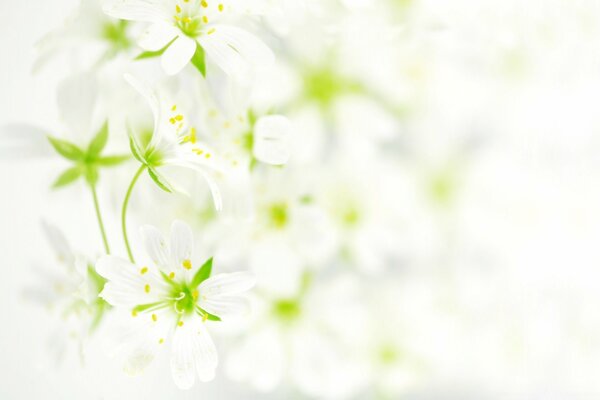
193	352
156	246
157	36
178	55
272	139
226	306
127	285
182	241
235	50
137	10
227	284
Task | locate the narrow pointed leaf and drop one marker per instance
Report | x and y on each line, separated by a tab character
135	149
157	53
66	149
199	60
67	177
111	161
98	142
160	181
203	273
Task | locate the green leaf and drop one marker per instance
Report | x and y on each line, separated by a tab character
199	60
67	177
160	181
202	274
98	142
157	53
66	149
111	161
135	149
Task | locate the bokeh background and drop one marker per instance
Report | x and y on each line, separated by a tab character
491	121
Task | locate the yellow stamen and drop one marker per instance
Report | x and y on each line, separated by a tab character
143	270
205	19
172	275
195	294
161	341
180	323
174	107
179	117
177	8
133	313
172	121
204	3
207	155
221	7
154	317
211	31
147	288
187	264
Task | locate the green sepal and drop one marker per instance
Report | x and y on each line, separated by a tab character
199	60
112	161
67	177
159	180
66	149
98	142
147	307
202	274
135	149
157	53
204	314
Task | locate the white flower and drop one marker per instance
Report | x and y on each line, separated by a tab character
88	37
175	143
71	291
172	299
191	26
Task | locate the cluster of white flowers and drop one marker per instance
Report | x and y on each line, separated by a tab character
296	145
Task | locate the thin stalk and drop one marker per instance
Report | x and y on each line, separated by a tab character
99	216
124	211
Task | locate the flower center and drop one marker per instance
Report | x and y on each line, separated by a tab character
192	15
185	299
287	310
278	215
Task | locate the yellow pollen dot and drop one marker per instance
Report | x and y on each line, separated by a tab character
187	264
172	121
147	288
211	31
187	20
205	19
179	117
133	313
154	317
177	8
174	107
172	275
198	151
161	341
207	155
180	323
204	3
195	294
221	7
143	270
177	18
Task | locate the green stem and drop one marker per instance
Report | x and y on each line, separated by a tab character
99	216
124	211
